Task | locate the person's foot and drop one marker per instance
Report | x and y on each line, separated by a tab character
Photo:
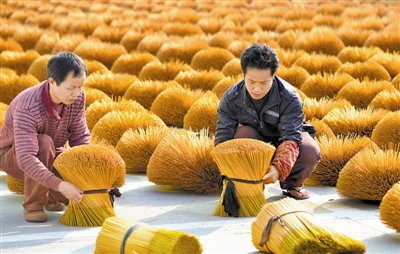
297	193
35	216
54	206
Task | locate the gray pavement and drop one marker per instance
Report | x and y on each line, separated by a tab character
185	211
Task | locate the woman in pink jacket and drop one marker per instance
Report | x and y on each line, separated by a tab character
38	124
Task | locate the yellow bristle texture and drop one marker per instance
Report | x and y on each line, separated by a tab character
27	36
109	34
15	185
131	40
387	131
3	110
325	84
181	29
222	39
143	239
68	42
210	25
104	52
389	208
152	42
46	42
360	93
15	84
155	70
295	75
145	92
38	67
288	56
349	120
137	146
211	58
113	84
7	71
132	63
314	108
379	170
10	45
220	88
62	26
183	159
232	68
391	61
101	107
321	128
301	232
199	79
237	47
113	125
362	70
18	61
357	54
202	114
353	37
287	39
301	24
319	42
234	159
85	26
396	82
385	41
336	152
314	63
172	104
90	167
93	94
328	20
94	66
389	100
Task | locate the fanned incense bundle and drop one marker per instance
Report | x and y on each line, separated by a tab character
243	163
379	170
94	169
336	152
183	159
15	185
122	235
286	226
389	208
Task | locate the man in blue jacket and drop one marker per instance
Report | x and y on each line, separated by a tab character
265	107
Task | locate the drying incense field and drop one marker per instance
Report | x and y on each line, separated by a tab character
157	70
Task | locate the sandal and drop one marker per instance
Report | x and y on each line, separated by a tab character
303	193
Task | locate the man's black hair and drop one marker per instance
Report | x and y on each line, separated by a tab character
259	56
61	64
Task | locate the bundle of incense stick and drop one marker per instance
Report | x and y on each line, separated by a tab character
95	170
243	163
122	235
286	226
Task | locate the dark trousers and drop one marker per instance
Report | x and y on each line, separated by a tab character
36	195
308	159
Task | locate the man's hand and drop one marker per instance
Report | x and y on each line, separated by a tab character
71	192
272	176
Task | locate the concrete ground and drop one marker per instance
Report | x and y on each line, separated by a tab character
185	211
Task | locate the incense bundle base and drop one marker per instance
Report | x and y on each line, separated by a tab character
286	226
249	205
92	211
243	163
122	235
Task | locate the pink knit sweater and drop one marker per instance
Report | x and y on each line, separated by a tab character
32	113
